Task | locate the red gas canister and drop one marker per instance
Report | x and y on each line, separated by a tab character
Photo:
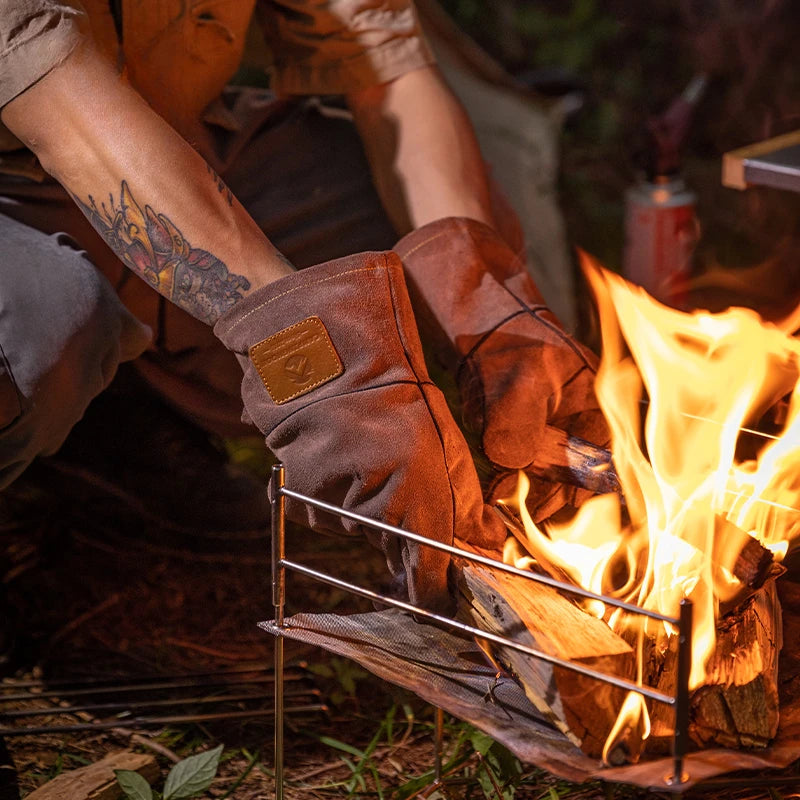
661	232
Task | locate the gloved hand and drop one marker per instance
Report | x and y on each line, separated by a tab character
335	379
516	368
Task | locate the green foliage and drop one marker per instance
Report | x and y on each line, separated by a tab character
133	784
361	763
500	772
472	758
188	778
570	40
346	675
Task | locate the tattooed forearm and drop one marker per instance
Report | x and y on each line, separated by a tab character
221	187
153	247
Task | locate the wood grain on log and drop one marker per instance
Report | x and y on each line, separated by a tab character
738	705
566	459
97	781
537	616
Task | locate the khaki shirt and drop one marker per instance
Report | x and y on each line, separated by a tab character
179	54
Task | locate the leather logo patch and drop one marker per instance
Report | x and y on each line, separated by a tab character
296	360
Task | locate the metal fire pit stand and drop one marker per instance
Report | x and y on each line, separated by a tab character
280	564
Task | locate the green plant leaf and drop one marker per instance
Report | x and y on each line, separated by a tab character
133	784
192	775
504	763
343	746
480	742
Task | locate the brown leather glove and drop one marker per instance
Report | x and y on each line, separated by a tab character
517	369
334	377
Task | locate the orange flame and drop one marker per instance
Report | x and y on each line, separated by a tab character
692	498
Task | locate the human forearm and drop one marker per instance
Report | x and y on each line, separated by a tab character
156	202
422	150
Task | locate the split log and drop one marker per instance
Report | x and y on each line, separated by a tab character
738	705
561	458
753	562
753	565
537	616
97	781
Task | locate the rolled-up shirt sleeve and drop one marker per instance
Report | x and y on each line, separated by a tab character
340	46
35	36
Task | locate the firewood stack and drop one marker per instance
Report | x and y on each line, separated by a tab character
737	706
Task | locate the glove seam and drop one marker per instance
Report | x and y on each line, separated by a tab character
483	339
348	393
265	303
422	244
559	331
420	383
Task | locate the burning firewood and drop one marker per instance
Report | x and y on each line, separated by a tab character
754	563
737	706
537	616
561	458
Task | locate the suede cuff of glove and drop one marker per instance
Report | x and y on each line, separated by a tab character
516	368
335	379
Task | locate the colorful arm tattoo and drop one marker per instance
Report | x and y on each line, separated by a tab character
153	247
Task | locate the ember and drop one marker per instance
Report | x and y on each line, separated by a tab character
705	510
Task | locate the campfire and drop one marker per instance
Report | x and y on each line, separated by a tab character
699	509
707	452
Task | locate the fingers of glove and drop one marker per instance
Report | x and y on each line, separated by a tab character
544	498
522	377
550	321
503	403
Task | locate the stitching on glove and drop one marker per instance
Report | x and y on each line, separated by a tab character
565	337
298	288
485	336
276	390
422	244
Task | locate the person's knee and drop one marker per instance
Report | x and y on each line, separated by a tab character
63	332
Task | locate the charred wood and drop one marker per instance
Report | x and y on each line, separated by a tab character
738	704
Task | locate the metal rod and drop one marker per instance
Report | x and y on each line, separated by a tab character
478	559
13	683
141	722
684	622
680	740
180	701
65	691
438	736
278	503
629	686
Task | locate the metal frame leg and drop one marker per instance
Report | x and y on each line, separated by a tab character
681	738
278	505
438	736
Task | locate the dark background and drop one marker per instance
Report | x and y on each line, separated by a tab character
631	60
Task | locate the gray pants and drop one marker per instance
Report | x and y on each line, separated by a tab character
69	317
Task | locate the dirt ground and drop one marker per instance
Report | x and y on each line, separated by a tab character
100	596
